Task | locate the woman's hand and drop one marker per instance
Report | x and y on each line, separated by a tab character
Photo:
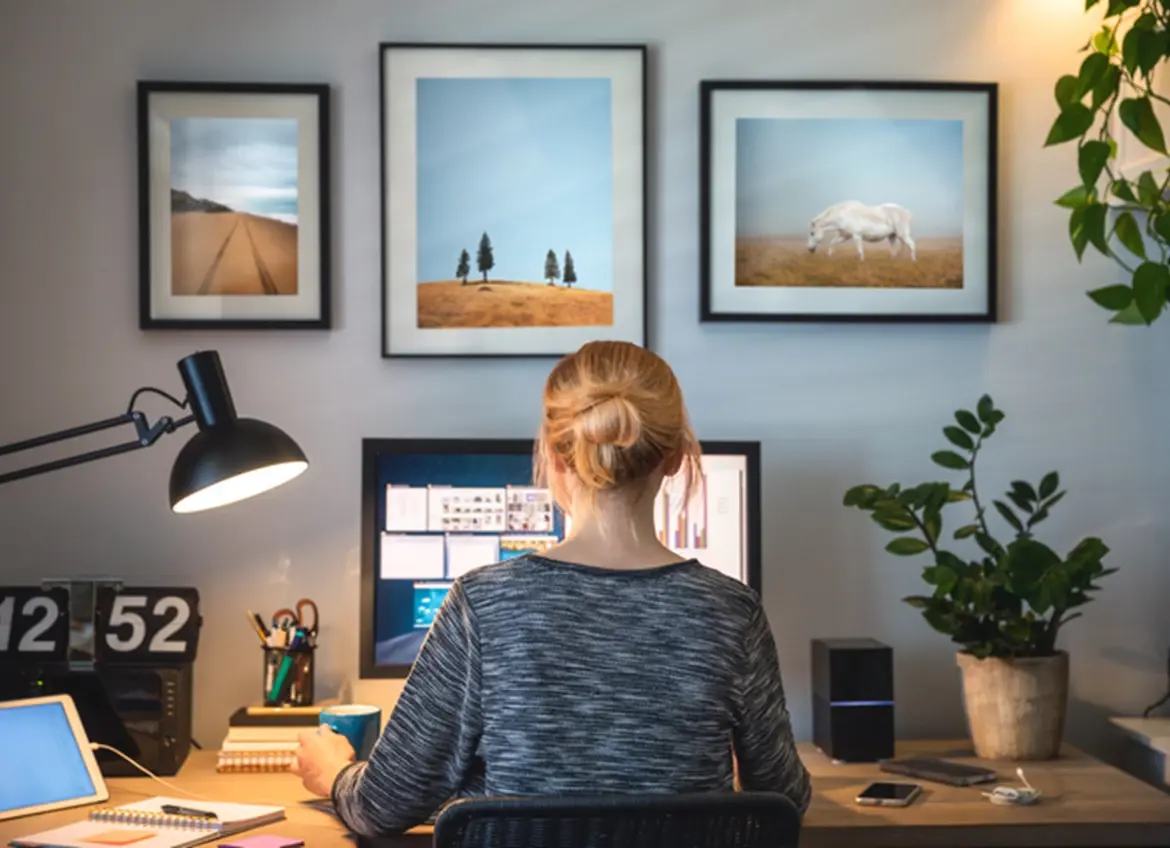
320	758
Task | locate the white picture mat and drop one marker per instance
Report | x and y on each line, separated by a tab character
80	738
727	105
402	69
165	106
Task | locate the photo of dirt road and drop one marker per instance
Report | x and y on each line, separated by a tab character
232	253
234	207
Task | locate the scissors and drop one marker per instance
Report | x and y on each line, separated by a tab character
297	618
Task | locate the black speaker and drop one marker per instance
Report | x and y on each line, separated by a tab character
853	699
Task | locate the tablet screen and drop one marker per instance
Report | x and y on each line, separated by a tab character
41	763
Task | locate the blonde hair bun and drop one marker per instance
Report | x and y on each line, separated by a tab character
611	419
613	415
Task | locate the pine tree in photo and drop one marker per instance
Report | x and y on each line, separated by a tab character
464	266
484	260
570	270
552	270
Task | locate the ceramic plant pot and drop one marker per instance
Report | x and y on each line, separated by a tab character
1015	707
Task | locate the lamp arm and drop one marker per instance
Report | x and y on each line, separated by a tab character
147	434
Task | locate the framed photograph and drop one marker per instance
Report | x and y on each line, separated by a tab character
513	198
233	193
848	201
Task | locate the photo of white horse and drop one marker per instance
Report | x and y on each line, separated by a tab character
808	186
854	221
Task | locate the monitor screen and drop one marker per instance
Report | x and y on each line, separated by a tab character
435	509
42	763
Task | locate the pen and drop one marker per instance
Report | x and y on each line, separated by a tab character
173	810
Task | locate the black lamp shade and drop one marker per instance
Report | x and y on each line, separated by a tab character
232	461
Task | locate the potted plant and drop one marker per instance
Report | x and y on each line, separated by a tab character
1112	101
1004	607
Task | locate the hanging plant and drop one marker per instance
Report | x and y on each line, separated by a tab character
1112	94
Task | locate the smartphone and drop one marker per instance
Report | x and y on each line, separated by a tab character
889	794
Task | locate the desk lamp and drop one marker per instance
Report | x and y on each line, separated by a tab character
228	460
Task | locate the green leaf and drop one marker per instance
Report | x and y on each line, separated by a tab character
1137	114
1149	289
933	526
1091	158
1069	89
1073	121
1055	499
907	546
956	495
949	459
958	436
988	544
1020	501
1049	484
1075	198
1131	315
1105	42
1077	232
1148	191
1024	488
860	495
984	409
1091	72
1162	226
1089	4
1113	298
917	601
894	524
1130	235
1118	7
1025	563
1094	224
1129	50
1009	516
966	530
1149	49
1106	87
967	421
1124	190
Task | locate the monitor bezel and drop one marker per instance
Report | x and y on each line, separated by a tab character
374	448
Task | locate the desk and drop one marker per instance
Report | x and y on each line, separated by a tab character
1086	803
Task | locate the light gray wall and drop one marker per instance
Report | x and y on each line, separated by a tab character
834	405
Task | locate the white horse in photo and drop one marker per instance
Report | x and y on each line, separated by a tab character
858	222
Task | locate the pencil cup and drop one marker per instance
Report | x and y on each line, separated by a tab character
288	677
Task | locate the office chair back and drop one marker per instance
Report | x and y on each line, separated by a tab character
706	820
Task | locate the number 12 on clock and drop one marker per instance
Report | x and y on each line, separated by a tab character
34	624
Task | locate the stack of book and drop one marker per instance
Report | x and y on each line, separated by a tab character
263	739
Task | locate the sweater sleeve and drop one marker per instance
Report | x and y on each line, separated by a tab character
430	740
764	747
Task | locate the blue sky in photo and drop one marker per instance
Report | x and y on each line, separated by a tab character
249	164
529	162
790	169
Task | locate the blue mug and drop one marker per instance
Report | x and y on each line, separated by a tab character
358	723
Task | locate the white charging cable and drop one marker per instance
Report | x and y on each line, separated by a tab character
98	746
1012	796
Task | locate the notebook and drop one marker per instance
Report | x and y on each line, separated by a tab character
143	824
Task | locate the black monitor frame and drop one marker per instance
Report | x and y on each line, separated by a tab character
373	449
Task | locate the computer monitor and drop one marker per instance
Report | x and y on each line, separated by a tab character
433	509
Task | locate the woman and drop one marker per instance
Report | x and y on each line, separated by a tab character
608	664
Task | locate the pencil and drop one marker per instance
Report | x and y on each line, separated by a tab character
254	620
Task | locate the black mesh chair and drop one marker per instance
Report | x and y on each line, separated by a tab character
707	820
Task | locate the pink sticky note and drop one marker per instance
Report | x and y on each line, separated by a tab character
264	841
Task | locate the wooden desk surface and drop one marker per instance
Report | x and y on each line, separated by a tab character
1085	803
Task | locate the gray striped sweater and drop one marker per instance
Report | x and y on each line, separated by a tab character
544	677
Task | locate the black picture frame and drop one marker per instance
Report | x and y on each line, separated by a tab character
409	339
983	301
302	285
373	448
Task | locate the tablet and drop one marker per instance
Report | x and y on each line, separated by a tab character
47	762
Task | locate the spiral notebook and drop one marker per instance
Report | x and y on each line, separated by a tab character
144	825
